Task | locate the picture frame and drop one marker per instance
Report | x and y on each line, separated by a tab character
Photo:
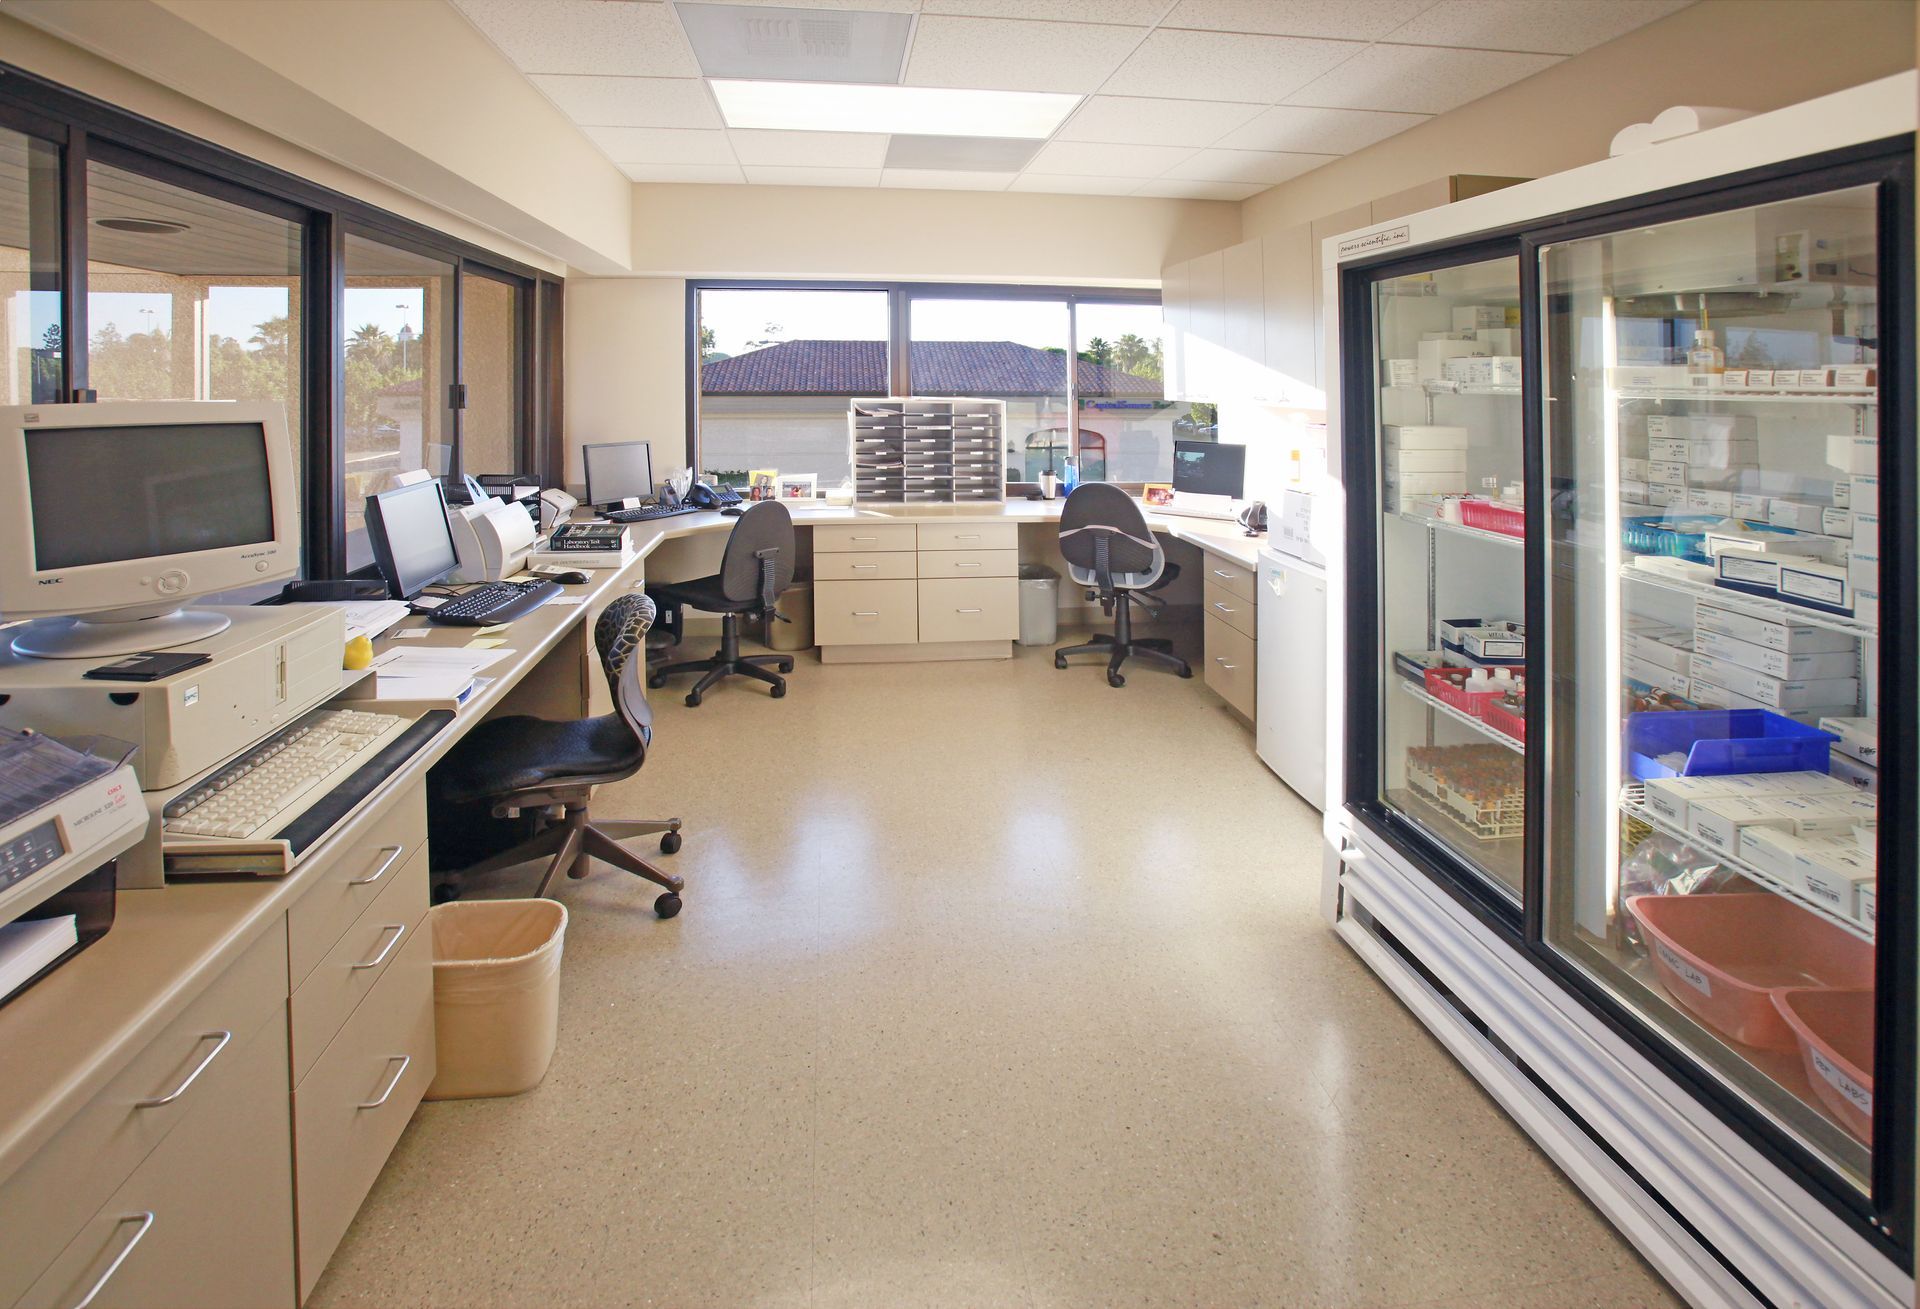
796	486
760	483
1157	493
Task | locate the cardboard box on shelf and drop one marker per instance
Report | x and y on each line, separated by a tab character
1734	379
1863	777
1866	534
1859	737
1662	496
1837	522
1668	425
1471	318
1798	544
1648	377
1775	692
1668	449
1747	570
1832	873
1774	634
1865	903
1499	341
1665	472
1858	455
1409	484
1814	582
1863	572
1670	648
1426	461
1634	493
1750	507
1855	376
1433	356
1702	500
1777	663
1723	451
1649	674
1428	437
1775	852
1718	820
1797	514
1866	607
1863	493
1399	372
1669	797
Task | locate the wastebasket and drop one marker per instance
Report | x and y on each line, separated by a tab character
796	602
1039	605
496	994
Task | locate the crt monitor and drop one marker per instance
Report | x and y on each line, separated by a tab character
115	515
618	471
1208	468
411	538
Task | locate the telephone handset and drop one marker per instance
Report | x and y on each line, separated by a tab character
702	496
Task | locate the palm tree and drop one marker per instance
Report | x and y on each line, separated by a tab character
272	335
1100	351
1130	352
369	341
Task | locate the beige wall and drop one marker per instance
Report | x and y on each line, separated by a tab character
1745	54
626	373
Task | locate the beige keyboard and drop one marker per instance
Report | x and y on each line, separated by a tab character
281	775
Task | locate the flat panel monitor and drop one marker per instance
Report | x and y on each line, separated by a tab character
1208	468
114	515
411	538
618	471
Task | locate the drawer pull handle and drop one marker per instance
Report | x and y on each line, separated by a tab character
863	538
866	613
972	565
145	1219
966	611
398	1073
1221	572
1223	608
399	930
393	852
858	567
1222	661
966	536
220	1039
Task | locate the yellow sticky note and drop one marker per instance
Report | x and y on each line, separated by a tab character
493	630
485	643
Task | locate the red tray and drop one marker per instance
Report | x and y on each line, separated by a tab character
1504	720
1491	516
1448	686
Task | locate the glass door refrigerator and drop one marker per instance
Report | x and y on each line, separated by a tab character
1626	613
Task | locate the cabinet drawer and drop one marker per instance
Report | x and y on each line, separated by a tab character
45	1202
878	566
969	609
207	1219
350	1110
969	536
865	613
969	563
358	959
1238	611
351	879
856	538
1229	576
1230	666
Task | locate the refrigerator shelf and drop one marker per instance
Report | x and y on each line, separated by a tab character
1484	728
1773	611
1633	804
1461	529
1862	396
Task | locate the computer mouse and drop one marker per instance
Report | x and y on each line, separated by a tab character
572	577
732	512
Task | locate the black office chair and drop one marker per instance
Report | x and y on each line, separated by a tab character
516	766
1110	551
756	568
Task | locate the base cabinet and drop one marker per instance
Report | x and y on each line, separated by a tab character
956	596
1228	601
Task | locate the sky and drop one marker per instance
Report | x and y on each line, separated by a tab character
233	310
738	317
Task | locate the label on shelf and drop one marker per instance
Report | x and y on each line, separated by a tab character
1857	1095
1680	968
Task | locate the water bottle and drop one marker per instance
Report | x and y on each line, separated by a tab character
1070	474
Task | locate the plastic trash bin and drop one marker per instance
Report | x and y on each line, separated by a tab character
1039	605
496	995
796	602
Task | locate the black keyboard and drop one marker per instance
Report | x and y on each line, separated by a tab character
496	602
645	514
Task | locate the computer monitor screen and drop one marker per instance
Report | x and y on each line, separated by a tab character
1207	468
618	470
412	541
111	493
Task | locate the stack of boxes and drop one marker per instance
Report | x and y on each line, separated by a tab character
1422	464
1482	349
1855	757
1702	465
1742	662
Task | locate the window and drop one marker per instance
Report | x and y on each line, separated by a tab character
777	368
490	346
397	348
30	268
777	364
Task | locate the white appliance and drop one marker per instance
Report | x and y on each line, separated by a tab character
1290	715
492	540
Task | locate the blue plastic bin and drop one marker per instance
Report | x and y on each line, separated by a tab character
1682	536
1720	741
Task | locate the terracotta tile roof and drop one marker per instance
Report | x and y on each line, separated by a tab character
985	368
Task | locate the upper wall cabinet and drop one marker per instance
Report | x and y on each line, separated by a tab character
1290	347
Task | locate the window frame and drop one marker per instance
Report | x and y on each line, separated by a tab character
900	299
83	127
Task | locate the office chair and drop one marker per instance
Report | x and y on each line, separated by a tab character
756	568
1110	551
520	764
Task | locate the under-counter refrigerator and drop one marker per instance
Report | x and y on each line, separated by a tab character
1290	692
1623	801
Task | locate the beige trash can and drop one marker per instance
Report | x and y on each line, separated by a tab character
496	994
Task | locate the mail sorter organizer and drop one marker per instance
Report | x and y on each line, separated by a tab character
896	592
221	1165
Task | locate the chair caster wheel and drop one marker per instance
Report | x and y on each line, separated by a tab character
776	691
1059	662
667	905
784	666
670	843
693	700
1185	671
656	682
1114	679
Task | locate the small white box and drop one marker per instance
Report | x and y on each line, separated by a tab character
1427	438
1664	425
1647	673
1433	356
1734	379
1702	500
1722	427
1776	663
1863	572
1776	853
1795	638
1427	461
1863	777
1855	376
1775	692
1666	648
1400	372
1668	449
1498	340
1866	607
1865	903
1760	379
1635	492
1863	493
1818	815
1859	738
1837	522
1831	874
1843	493
1669	797
1866	533
1649	377
1633	470
1473	318
1747	569
1454	483
1809	581
1723	452
1752	507
1662	496
1859	455
1718	820
1797	514
1663	472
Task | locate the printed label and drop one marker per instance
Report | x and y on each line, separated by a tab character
1386	240
1857	1095
1685	971
190	697
1749	570
1830	590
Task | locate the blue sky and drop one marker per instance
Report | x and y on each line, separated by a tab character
233	310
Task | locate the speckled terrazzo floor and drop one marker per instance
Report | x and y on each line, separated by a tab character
995	986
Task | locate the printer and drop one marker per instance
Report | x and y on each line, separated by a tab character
492	539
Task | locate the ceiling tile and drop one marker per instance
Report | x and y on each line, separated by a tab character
937	179
1137	13
960	154
809	149
1005	55
796	45
585	36
1137	120
1419	79
1264	166
1342	20
1561	27
632	101
1091	159
1180	188
661	145
1314	131
769	176
1056	184
895	6
722	173
1227	66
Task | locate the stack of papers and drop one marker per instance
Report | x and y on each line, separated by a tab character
370	618
28	947
424	673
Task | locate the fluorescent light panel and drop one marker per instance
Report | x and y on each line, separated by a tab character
915	110
797	45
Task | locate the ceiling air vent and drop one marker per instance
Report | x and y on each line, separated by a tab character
796	45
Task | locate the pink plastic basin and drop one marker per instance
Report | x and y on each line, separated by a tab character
1722	956
1835	1031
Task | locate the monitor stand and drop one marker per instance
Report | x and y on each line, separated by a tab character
109	634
